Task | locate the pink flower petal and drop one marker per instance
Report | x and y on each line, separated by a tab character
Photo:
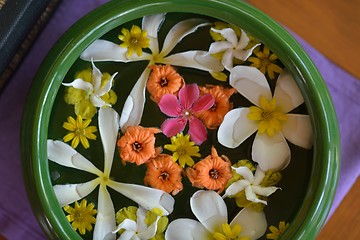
203	103
172	126
188	95
169	105
197	131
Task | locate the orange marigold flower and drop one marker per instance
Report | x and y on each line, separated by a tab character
214	116
213	172
163	80
163	173
137	145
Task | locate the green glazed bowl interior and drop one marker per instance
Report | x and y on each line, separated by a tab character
323	177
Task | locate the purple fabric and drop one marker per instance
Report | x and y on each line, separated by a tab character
16	218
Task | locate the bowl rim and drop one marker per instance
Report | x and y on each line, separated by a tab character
324	175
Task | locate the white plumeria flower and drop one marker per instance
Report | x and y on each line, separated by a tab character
232	47
94	89
251	185
137	230
65	155
102	50
211	211
270	117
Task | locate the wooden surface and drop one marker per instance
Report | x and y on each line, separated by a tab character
331	26
345	222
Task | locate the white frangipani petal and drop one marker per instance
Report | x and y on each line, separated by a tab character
105	218
219	46
271	153
253	223
107	86
251	196
251	83
243	42
96	76
65	155
69	193
179	31
229	35
194	59
210	209
108	128
130	228
134	105
287	92
298	130
151	24
80	84
227	59
258	176
264	191
235	188
235	128
146	232
187	229
103	50
98	102
149	198
244	54
245	172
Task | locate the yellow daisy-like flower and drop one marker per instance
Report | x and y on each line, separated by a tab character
265	62
277	232
134	40
183	149
229	233
80	131
268	116
81	216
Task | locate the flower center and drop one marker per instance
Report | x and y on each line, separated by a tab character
265	62
229	233
214	173
164	176
79	132
268	116
137	146
163	82
134	41
187	113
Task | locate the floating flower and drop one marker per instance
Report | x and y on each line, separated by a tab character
212	172
231	47
131	213
265	61
163	173
134	40
89	90
250	184
137	145
183	149
137	229
163	80
211	211
184	110
277	232
81	216
103	50
213	117
270	149
80	131
218	25
62	154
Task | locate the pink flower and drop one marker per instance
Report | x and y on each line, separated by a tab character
183	110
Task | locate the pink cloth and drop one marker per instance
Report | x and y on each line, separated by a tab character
16	218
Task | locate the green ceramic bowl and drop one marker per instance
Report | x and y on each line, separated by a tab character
309	214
